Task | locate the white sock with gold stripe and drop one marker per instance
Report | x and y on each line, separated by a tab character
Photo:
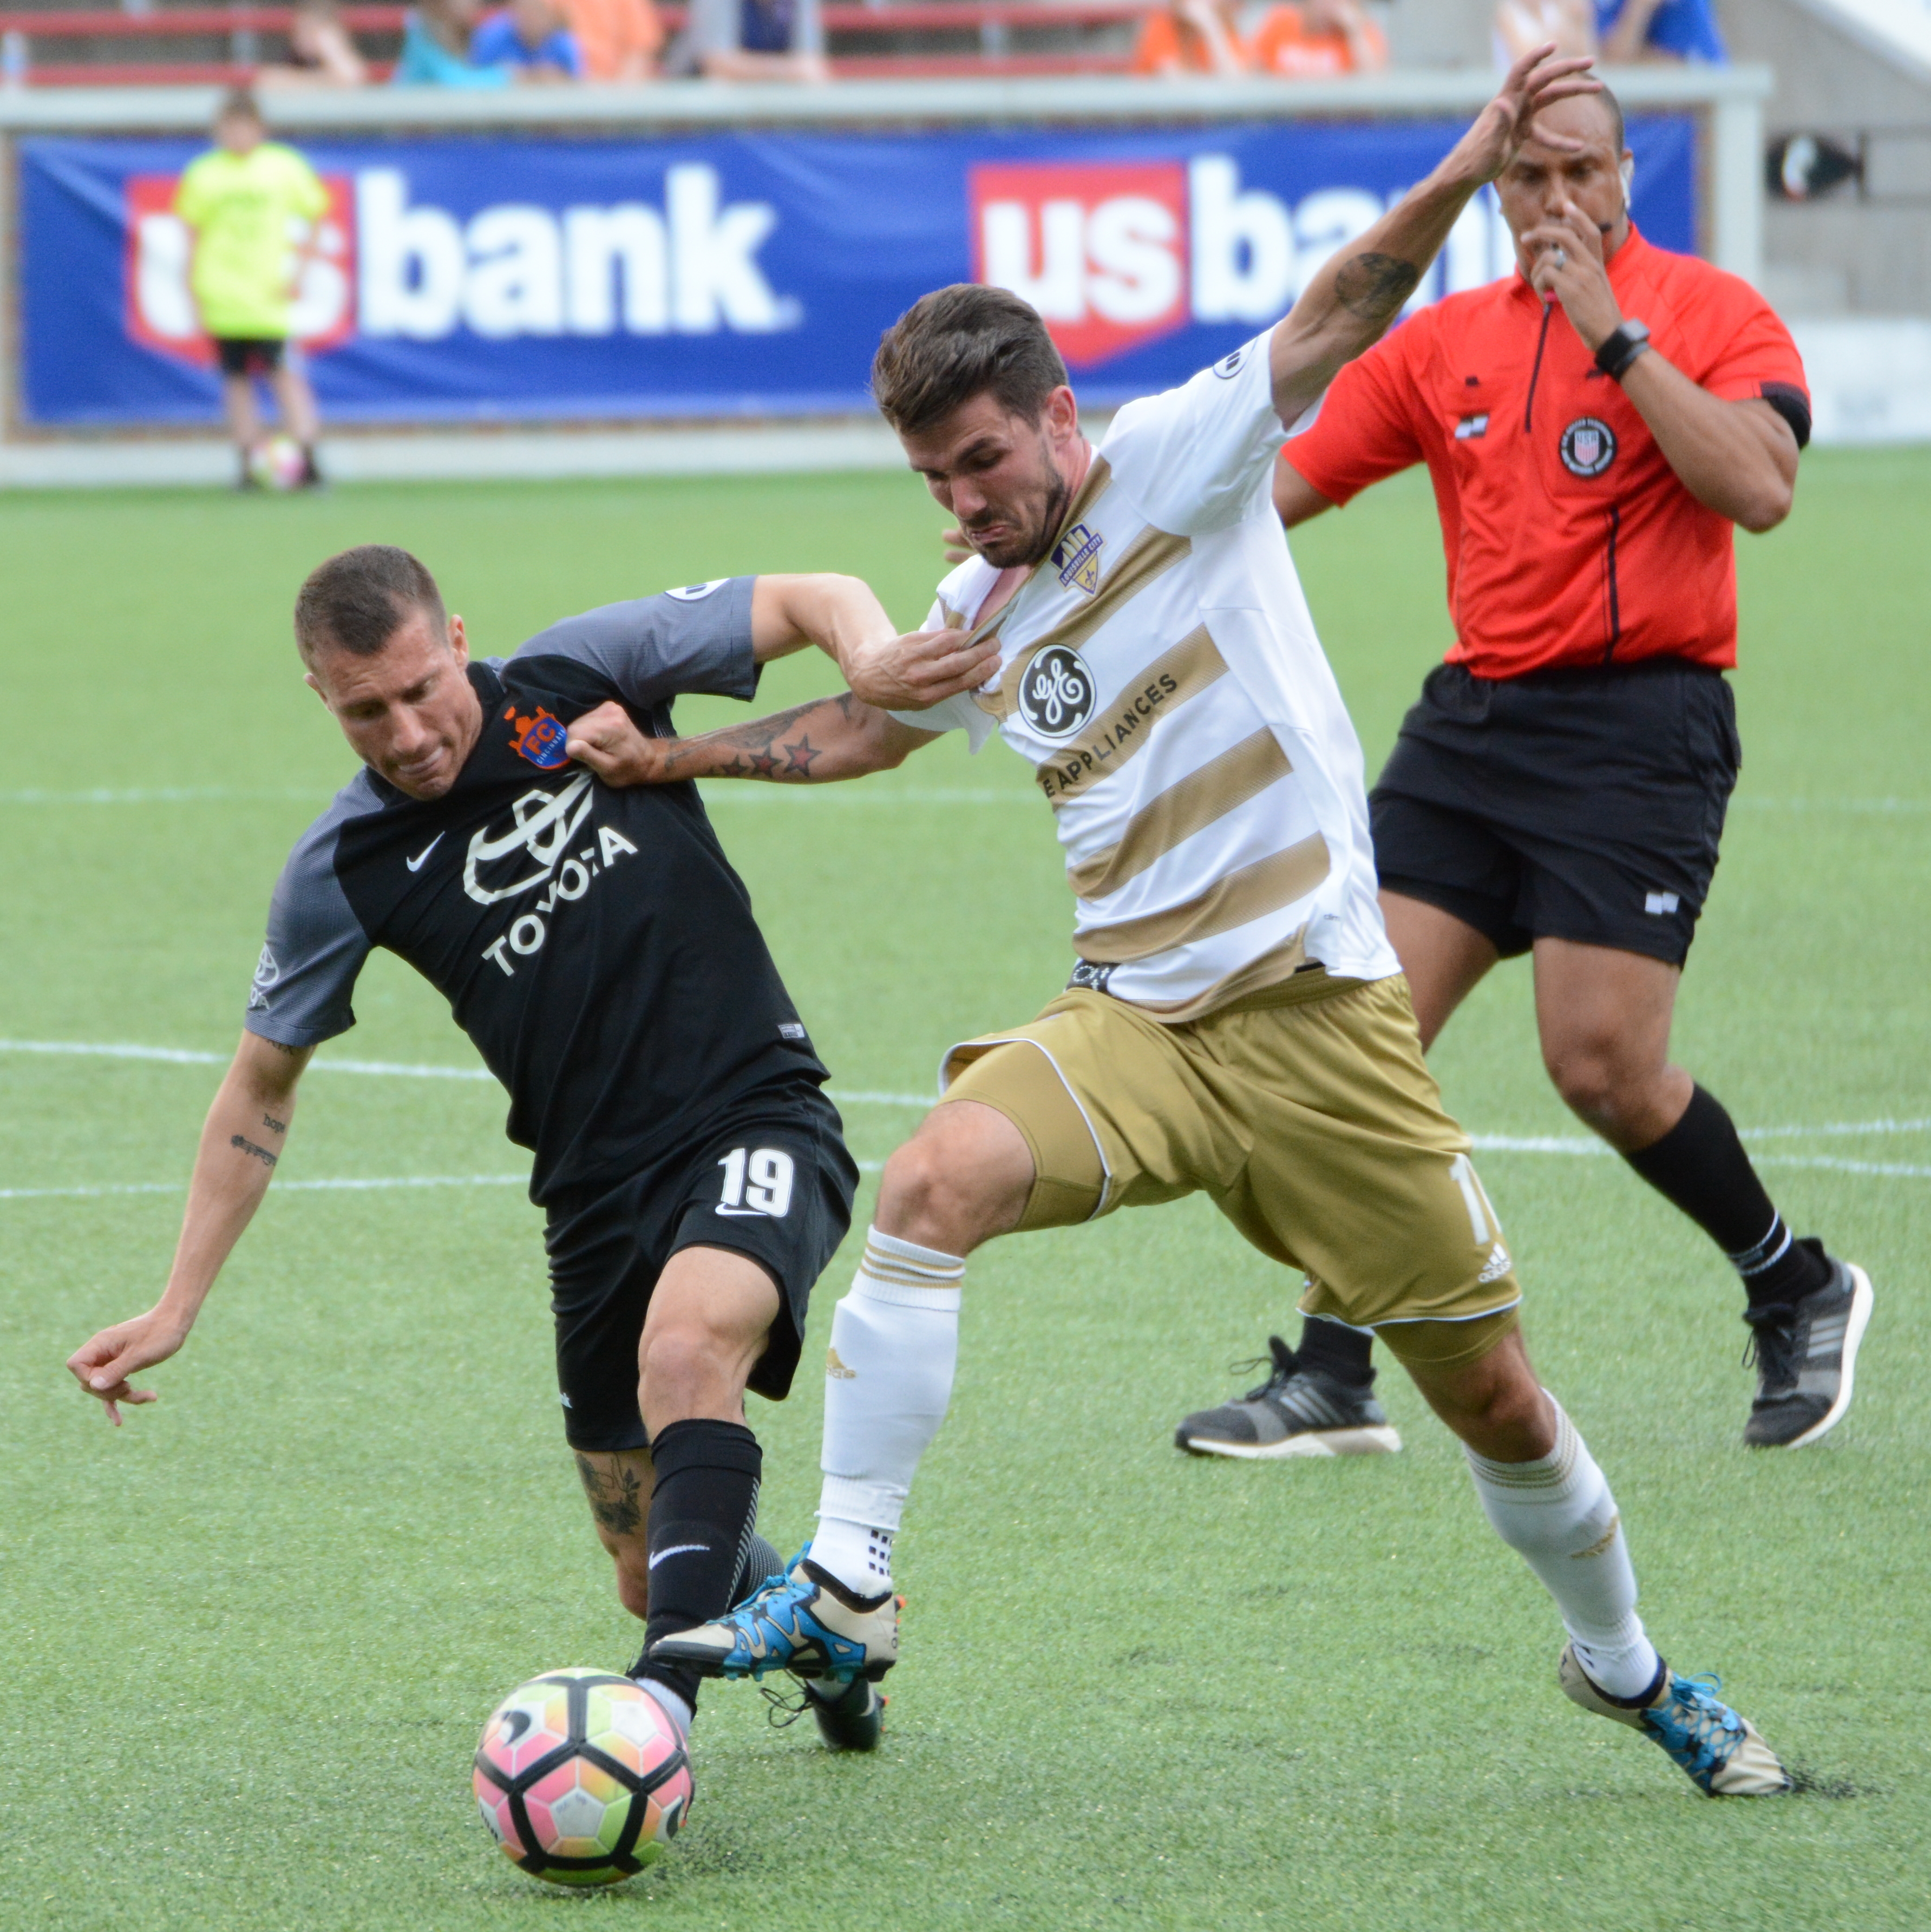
888	1382
1557	1513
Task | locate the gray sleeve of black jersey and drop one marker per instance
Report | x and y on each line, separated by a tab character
695	640
316	946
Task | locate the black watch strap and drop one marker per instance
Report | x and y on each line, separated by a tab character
1621	346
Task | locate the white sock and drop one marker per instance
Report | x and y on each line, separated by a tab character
887	1380
1558	1514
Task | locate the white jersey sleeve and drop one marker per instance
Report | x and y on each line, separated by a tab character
956	714
1193	459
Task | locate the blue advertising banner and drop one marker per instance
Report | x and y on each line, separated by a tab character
730	275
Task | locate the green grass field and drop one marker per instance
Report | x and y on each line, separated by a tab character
249	1638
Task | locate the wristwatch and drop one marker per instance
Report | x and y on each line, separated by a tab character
1621	346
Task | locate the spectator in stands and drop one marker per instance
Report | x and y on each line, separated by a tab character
436	48
239	202
529	37
1666	30
322	52
1314	39
1317	39
1192	37
1522	25
620	39
753	40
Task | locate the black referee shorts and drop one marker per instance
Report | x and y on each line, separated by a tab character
1578	805
773	1180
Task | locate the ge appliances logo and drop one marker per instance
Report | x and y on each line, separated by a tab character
1056	695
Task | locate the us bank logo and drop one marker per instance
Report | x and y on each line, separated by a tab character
380	263
1115	255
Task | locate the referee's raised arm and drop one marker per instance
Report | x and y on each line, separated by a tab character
1354	296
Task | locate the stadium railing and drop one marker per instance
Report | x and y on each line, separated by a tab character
930	37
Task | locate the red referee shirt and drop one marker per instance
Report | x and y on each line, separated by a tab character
1569	539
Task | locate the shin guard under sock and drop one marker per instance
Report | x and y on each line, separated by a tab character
703	1514
1557	1514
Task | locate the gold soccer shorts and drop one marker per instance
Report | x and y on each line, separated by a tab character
1305	1111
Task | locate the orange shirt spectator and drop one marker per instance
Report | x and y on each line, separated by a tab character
1192	37
1318	39
620	39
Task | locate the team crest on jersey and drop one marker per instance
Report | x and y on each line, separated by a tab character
1229	366
541	739
1056	695
1076	556
1588	446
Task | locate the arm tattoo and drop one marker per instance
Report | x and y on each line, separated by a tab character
616	1496
248	1147
1374	286
778	748
274	1126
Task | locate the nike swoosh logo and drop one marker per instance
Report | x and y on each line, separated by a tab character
756	1213
677	1550
416	865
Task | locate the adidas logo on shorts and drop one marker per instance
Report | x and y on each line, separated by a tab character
1499	1264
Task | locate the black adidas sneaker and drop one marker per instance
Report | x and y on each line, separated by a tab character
1807	1357
1300	1410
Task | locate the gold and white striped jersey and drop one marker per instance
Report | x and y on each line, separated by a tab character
1160	673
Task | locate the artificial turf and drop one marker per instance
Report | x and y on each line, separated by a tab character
249	1638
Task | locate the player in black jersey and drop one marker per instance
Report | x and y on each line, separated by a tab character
597	948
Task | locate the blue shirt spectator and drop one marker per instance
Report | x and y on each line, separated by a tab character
528	34
435	49
1684	30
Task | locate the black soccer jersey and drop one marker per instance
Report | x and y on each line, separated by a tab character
595	943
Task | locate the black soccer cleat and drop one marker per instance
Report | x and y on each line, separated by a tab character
1299	1411
850	1719
1807	1357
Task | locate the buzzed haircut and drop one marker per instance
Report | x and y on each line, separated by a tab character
357	602
1614	108
961	342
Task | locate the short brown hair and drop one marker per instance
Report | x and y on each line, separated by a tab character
357	602
961	342
239	104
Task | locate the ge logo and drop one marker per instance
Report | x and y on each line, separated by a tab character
1056	695
1588	446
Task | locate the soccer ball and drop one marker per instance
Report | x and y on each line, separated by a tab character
277	463
581	1778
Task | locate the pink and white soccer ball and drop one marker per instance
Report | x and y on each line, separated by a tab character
581	1778
277	463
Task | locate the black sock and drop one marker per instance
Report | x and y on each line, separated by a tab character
1338	1351
1700	1165
703	1514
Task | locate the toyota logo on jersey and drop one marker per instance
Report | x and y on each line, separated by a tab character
1056	695
544	823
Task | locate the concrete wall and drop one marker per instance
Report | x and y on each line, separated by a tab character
1835	257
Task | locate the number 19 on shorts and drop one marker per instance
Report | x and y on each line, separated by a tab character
757	1181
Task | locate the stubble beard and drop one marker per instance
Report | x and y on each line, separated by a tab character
1022	552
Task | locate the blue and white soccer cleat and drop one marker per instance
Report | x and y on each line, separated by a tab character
797	1622
1723	1753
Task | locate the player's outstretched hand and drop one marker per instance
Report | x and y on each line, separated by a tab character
609	742
921	669
1567	251
1538	80
102	1365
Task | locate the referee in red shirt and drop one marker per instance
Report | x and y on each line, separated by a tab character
1594	425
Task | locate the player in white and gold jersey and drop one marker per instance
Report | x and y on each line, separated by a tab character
1236	1024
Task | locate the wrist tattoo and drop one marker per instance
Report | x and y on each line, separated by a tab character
778	748
248	1147
274	1126
1374	286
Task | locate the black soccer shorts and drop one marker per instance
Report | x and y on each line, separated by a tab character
773	1180
1578	805
249	355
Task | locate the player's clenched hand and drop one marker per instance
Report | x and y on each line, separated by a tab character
920	670
953	543
607	740
102	1365
1567	251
